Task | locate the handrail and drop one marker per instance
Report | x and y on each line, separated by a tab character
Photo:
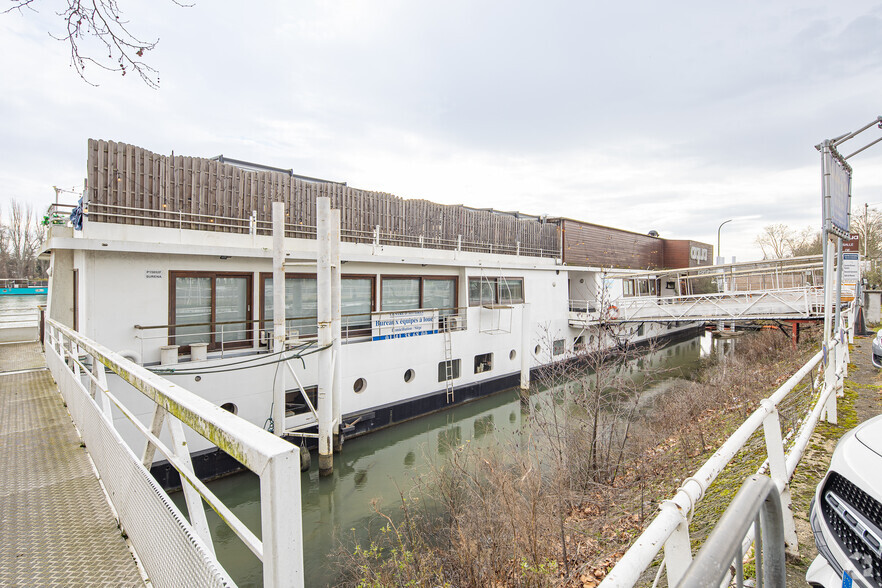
757	503
274	460
670	528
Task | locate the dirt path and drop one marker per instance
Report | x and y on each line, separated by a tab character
863	400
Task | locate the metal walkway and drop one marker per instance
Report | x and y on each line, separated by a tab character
782	304
58	529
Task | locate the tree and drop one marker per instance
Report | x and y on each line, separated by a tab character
100	22
20	238
806	242
775	241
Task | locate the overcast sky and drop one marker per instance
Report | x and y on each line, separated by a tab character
672	116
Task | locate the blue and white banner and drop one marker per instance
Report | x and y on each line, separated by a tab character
395	325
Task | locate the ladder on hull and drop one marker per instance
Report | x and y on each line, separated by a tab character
448	364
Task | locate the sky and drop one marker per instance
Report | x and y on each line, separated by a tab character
640	115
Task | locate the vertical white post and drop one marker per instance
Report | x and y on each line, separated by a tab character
678	551
281	521
778	473
336	326
525	346
278	413
325	375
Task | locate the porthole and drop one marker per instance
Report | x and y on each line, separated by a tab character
512	354
198	378
230	407
537	350
359	386
409	375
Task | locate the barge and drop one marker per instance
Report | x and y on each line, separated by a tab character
172	267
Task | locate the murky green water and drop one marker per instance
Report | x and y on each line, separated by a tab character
380	465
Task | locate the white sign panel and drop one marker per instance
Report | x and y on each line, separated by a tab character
394	325
851	274
153	274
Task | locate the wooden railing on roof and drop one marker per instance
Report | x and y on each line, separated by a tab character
163	190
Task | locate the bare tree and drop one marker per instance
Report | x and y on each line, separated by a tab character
102	23
20	242
806	242
776	241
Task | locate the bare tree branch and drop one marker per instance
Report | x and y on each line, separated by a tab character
101	21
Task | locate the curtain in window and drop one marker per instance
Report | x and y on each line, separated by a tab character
192	305
401	294
231	302
355	302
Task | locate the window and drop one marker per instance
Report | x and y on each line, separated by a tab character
213	308
301	303
411	293
448	370
559	347
483	363
296	404
492	290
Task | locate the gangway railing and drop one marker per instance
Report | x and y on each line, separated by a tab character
792	303
669	530
174	550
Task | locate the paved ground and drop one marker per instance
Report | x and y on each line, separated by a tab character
862	401
57	528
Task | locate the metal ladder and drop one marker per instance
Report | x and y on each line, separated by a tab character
448	364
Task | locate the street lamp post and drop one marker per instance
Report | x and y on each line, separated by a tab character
720	257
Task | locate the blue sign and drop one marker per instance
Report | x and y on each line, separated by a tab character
846	580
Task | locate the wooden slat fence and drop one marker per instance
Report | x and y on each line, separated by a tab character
130	185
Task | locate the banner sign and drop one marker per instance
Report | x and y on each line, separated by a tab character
851	274
395	325
837	194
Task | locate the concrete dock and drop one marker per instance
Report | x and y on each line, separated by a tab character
57	527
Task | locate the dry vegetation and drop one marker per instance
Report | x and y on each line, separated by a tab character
559	505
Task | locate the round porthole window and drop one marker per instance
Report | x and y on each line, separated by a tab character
409	375
230	407
537	350
512	354
359	386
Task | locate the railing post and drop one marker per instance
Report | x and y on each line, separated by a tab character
194	502
459	242
778	472
377	236
280	521
678	549
830	383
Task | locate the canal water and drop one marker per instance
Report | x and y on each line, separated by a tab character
337	511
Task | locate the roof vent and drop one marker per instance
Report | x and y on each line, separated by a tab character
653	233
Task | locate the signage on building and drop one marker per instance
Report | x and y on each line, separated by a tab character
698	254
852	244
153	274
396	325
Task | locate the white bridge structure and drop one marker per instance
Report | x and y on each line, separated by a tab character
781	289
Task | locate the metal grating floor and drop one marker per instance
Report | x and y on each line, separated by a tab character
57	528
21	356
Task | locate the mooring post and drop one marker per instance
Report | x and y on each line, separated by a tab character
325	355
279	335
525	347
336	327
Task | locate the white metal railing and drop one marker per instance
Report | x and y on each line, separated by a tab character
670	528
173	550
257	333
806	302
163	217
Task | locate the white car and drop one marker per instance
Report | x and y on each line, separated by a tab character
846	513
877	350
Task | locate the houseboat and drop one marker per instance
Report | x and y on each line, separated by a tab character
172	267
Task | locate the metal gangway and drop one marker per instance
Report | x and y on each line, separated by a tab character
780	289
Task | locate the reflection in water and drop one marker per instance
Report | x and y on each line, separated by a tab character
337	510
